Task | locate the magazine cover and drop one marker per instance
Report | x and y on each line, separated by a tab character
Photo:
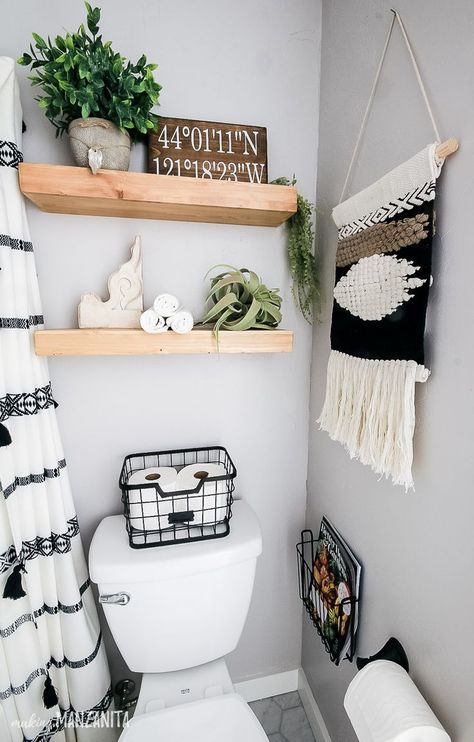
334	592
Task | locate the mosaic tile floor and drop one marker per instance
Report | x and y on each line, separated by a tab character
283	718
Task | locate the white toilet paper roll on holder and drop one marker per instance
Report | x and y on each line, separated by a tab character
384	704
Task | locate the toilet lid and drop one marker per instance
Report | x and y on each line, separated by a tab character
216	719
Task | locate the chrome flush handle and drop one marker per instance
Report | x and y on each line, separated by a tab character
115	598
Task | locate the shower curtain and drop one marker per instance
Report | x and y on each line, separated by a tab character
54	678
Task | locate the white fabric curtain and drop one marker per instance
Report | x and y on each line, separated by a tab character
53	670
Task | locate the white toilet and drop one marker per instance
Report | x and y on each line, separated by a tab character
175	612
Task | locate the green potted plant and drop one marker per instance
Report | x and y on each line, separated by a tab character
301	258
101	99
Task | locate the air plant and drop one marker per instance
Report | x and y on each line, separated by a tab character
240	301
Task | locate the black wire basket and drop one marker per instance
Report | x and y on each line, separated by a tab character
158	516
335	623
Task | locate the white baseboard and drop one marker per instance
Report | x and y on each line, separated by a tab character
313	712
270	685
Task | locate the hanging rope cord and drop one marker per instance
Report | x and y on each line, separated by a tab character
396	17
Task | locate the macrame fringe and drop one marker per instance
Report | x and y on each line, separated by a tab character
370	409
13	588
50	698
5	437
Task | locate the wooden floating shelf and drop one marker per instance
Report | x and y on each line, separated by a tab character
75	190
136	342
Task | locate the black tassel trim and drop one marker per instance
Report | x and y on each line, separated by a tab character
5	437
13	588
50	698
55	404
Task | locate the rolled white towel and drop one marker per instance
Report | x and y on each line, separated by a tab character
181	322
165	305
152	323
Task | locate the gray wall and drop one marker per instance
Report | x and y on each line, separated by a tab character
417	548
255	63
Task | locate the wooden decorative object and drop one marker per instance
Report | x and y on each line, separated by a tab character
125	305
137	342
449	147
208	150
74	190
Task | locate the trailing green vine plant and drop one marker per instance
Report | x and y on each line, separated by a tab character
80	75
238	300
301	258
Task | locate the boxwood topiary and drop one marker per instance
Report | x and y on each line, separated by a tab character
80	76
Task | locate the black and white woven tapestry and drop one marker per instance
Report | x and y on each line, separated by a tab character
383	274
54	679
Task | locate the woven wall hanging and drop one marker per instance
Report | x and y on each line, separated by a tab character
383	274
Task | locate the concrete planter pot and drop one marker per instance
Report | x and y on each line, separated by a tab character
98	143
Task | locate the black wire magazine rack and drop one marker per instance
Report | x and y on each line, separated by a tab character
157	516
333	608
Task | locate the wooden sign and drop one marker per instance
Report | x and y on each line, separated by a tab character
206	149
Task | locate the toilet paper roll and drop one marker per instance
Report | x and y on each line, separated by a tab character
148	509
152	323
211	507
384	705
165	305
181	321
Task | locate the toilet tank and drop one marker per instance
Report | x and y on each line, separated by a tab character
179	605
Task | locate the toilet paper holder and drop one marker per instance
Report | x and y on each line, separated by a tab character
392	651
156	516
